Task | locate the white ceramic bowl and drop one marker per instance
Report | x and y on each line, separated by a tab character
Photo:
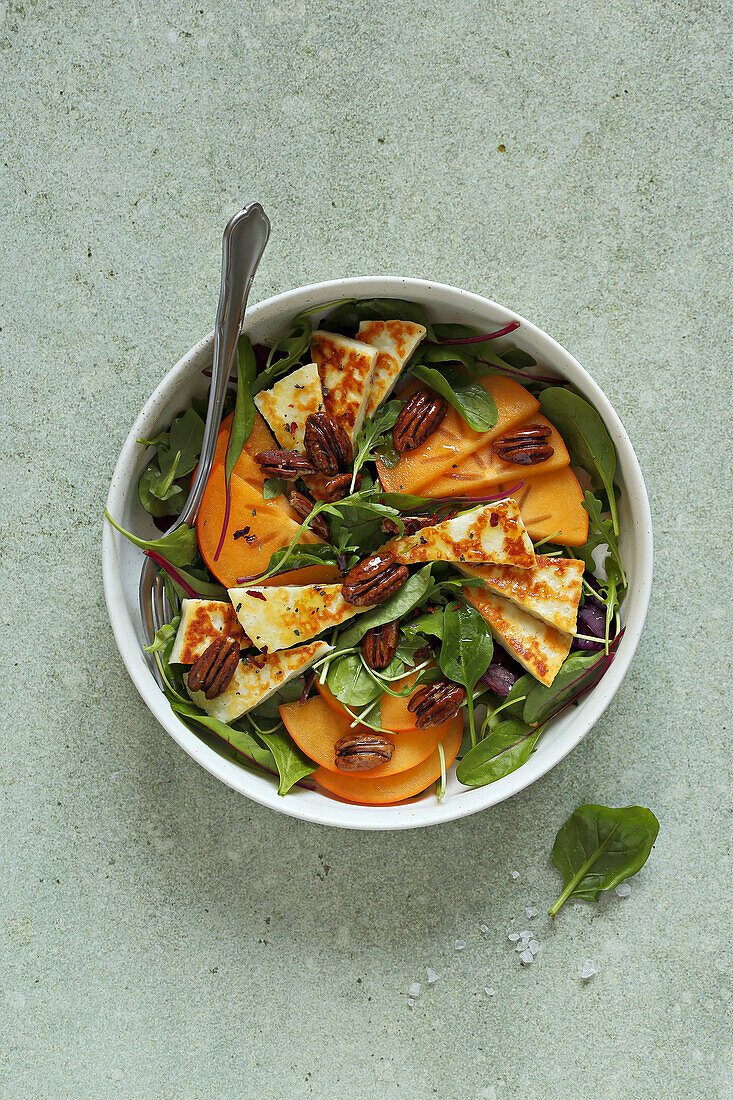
122	561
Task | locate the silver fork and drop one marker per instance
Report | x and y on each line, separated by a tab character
243	243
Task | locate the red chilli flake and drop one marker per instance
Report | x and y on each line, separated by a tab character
242	533
257	595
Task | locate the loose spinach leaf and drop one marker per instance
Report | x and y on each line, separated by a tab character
350	682
466	651
273	487
292	764
409	596
179	547
586	438
504	750
542	701
349	316
429	622
244	409
241	740
598	847
469	398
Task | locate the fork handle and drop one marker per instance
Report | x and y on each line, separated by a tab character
243	243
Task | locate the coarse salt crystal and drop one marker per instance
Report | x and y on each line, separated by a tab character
432	976
588	970
513	937
527	957
489	991
534	946
484	927
623	890
531	911
414	989
410	1002
459	945
521	946
515	875
527	935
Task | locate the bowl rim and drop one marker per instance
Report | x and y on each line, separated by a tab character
327	810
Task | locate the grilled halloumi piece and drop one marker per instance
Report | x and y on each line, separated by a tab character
345	367
289	403
539	648
551	591
395	341
279	617
251	685
489	533
202	621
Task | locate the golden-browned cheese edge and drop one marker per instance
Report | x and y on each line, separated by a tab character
202	622
539	648
550	591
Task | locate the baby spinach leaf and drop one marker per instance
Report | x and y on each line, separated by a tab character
239	739
469	398
179	547
205	589
586	438
501	752
273	487
350	682
466	651
184	439
409	596
542	701
244	409
513	705
427	623
598	847
349	316
292	764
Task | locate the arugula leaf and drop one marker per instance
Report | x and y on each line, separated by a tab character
306	553
290	348
350	682
163	635
179	547
292	764
466	651
374	434
244	409
273	487
601	533
155	498
409	596
501	752
598	847
178	451
586	438
468	397
542	701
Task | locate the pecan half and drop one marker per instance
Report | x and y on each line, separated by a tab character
303	505
327	444
420	416
374	580
213	670
413	524
362	751
287	464
335	488
436	703
526	445
379	644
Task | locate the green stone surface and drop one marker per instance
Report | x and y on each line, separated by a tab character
162	936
